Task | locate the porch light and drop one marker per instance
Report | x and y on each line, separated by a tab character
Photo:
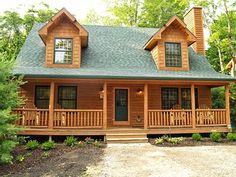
140	92
101	93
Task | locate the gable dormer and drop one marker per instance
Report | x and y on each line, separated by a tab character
64	38
169	45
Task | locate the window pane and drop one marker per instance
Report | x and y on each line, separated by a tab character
63	51
169	97
186	98
42	94
173	54
67	97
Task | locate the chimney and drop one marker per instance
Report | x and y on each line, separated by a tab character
194	21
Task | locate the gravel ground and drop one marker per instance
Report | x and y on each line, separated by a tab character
141	160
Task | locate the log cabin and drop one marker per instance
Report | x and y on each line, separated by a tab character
123	83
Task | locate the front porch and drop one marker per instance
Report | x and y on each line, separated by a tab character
95	111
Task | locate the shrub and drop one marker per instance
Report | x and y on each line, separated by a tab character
45	155
9	98
159	141
70	141
231	136
197	136
175	140
89	140
32	144
48	145
98	144
215	136
22	139
81	144
20	158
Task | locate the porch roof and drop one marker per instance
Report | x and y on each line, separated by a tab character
112	53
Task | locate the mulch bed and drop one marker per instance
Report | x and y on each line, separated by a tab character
35	165
190	142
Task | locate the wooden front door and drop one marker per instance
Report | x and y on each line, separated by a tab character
121	106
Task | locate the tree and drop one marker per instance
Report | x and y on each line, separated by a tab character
9	98
157	13
14	29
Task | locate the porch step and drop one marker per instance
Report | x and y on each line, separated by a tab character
126	138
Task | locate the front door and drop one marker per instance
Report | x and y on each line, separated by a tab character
121	106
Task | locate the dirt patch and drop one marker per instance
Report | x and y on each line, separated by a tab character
146	160
191	142
62	161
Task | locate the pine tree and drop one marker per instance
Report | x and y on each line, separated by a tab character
9	98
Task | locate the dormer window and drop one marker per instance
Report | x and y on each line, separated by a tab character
173	57
63	51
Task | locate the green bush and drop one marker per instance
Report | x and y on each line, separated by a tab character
197	136
70	141
22	139
231	136
20	158
45	155
81	144
176	140
215	136
98	144
159	141
32	144
48	145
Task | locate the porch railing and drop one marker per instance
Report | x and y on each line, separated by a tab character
169	118
32	117
210	117
78	118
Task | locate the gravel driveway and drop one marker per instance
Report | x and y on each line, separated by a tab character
141	160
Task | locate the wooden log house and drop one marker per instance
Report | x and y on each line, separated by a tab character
119	82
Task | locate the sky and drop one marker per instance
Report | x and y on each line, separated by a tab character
79	8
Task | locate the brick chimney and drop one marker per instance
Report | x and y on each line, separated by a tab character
194	21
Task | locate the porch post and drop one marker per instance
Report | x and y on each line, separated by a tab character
193	105
145	106
51	105
105	105
227	105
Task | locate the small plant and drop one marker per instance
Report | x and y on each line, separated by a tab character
98	144
89	140
159	141
32	144
231	136
48	145
215	136
20	158
28	154
175	140
81	144
22	139
197	136
70	141
45	155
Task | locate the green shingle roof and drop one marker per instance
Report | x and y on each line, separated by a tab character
112	52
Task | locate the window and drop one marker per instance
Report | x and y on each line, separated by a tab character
169	97
173	54
63	51
42	94
186	98
67	97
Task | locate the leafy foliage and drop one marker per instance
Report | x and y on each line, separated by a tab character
231	136
48	145
175	140
32	145
70	141
9	99
215	136
197	136
20	158
98	143
159	141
